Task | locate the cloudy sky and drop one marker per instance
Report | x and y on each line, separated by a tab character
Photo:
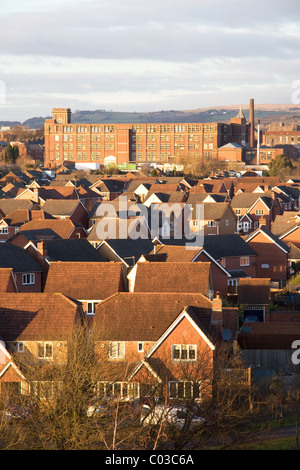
139	55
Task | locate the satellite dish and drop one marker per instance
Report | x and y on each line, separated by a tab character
226	335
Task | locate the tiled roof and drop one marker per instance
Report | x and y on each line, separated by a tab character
36	317
76	249
63	228
172	277
222	246
21	216
176	253
166	196
263	229
246	200
212	211
36	235
269	335
284	222
127	249
142	316
19	260
254	291
7	283
63	207
85	280
7	206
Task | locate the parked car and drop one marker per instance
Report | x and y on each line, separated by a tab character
251	319
173	415
97	407
19	408
104	406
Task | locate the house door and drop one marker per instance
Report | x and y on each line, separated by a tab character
246	226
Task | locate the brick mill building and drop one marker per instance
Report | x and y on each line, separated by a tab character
96	145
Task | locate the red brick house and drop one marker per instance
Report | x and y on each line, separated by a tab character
179	254
272	255
171	277
86	282
27	272
63	228
11	224
218	218
250	208
172	343
67	209
32	326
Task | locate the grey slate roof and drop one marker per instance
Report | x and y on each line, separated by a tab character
222	246
72	250
128	248
19	260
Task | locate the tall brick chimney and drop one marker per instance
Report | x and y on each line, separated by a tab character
251	122
217	309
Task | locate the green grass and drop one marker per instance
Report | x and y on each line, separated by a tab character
288	443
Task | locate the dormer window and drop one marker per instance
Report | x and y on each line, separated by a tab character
28	279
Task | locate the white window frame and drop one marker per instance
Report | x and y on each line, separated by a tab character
244	261
116	350
140	346
93	304
187	386
211	223
28	279
259	212
44	346
3	230
182	348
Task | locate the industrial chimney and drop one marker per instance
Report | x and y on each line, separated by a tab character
251	122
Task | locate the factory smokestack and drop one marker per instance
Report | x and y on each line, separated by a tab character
251	122
258	143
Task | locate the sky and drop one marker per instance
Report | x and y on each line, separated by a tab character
142	56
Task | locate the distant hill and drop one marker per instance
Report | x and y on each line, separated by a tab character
267	113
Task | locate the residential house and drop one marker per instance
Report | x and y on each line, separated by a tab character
272	256
180	254
32	327
86	282
282	223
110	188
171	277
42	193
172	343
22	239
216	218
11	377
253	209
127	251
233	253
63	228
27	272
8	206
160	196
11	224
67	209
292	194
